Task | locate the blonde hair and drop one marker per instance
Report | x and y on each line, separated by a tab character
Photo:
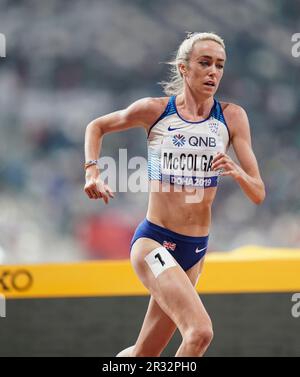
175	84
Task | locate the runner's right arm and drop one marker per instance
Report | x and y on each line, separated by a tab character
142	113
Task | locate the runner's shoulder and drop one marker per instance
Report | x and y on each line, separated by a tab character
236	118
147	109
232	111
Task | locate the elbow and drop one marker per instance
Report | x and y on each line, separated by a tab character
261	196
258	200
94	127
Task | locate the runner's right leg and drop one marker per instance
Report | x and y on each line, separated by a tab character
158	328
173	292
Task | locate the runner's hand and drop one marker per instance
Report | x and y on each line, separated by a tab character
228	166
95	188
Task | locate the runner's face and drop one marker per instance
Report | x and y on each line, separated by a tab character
205	68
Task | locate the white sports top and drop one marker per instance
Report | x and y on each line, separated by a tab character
181	152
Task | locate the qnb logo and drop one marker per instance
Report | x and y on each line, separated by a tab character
296	306
2	306
178	140
2	46
296	45
19	280
203	141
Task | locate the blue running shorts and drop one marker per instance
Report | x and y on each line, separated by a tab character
186	250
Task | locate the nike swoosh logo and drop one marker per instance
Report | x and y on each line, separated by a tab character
198	251
173	129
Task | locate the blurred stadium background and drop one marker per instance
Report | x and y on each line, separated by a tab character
68	62
71	61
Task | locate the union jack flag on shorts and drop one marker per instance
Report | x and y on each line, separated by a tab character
169	245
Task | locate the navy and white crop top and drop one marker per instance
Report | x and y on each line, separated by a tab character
181	152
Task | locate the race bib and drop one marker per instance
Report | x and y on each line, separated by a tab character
186	160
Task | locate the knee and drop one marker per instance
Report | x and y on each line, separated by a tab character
199	337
